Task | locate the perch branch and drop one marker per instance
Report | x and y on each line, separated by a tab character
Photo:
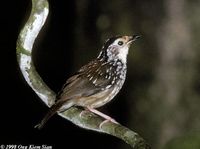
89	121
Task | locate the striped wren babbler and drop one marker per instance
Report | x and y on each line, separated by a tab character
96	83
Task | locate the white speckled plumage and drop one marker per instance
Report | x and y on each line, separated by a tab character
98	82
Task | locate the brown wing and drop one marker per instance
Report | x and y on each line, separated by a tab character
89	80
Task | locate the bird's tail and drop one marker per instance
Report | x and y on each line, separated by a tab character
50	113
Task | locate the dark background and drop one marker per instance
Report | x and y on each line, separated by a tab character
160	99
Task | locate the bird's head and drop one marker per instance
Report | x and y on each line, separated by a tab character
116	48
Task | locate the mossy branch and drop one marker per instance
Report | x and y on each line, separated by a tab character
89	120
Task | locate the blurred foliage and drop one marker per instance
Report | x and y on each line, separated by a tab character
191	141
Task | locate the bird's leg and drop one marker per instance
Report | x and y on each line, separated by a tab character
107	118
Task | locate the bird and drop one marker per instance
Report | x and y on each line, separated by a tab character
96	83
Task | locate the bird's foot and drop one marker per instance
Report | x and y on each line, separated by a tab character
108	120
83	112
106	117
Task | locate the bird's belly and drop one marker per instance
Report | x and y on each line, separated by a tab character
99	99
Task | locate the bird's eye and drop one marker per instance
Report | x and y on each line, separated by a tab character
120	43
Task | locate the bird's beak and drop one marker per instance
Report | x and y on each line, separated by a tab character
132	38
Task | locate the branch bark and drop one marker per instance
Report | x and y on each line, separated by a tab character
89	121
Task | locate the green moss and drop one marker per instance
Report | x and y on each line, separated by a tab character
21	50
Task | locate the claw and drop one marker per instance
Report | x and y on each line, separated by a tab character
106	117
82	112
107	120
